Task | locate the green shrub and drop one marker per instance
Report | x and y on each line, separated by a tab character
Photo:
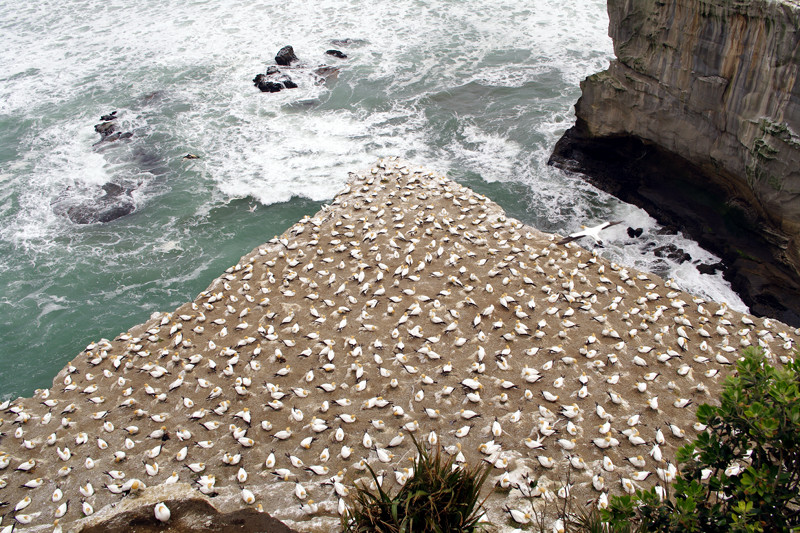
743	473
439	497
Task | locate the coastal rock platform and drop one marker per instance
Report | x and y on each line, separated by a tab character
409	305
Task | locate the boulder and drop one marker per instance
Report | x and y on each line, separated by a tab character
109	130
336	53
273	81
634	233
105	129
265	85
285	56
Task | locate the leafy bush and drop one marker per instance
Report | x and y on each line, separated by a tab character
439	497
743	473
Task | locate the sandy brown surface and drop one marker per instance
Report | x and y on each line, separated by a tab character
406	303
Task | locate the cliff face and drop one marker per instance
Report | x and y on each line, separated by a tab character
716	83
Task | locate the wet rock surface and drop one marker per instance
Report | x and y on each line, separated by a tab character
109	129
112	202
135	162
285	56
275	79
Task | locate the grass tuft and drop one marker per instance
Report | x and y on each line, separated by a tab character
441	496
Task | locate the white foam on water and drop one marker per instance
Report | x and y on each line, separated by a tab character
638	252
168	246
493	156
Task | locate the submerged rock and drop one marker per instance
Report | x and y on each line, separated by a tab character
324	73
113	202
348	42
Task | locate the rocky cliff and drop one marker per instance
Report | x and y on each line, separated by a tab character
715	83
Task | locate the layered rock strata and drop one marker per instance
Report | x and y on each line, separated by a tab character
714	85
409	306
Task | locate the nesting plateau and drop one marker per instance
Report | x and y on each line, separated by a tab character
408	306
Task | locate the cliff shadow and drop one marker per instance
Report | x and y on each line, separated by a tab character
683	197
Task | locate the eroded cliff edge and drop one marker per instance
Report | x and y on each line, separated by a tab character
697	120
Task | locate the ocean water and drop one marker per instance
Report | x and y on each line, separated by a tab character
480	90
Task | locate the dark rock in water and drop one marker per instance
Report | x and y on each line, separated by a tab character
108	130
273	81
105	129
115	202
634	233
265	85
270	87
710	269
285	56
671	251
336	53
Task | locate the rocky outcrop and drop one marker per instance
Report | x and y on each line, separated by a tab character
108	129
285	56
275	80
110	202
714	84
189	511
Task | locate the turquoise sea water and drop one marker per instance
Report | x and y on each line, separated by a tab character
480	90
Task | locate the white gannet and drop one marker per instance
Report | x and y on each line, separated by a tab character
593	232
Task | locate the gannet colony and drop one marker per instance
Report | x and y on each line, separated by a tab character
408	306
